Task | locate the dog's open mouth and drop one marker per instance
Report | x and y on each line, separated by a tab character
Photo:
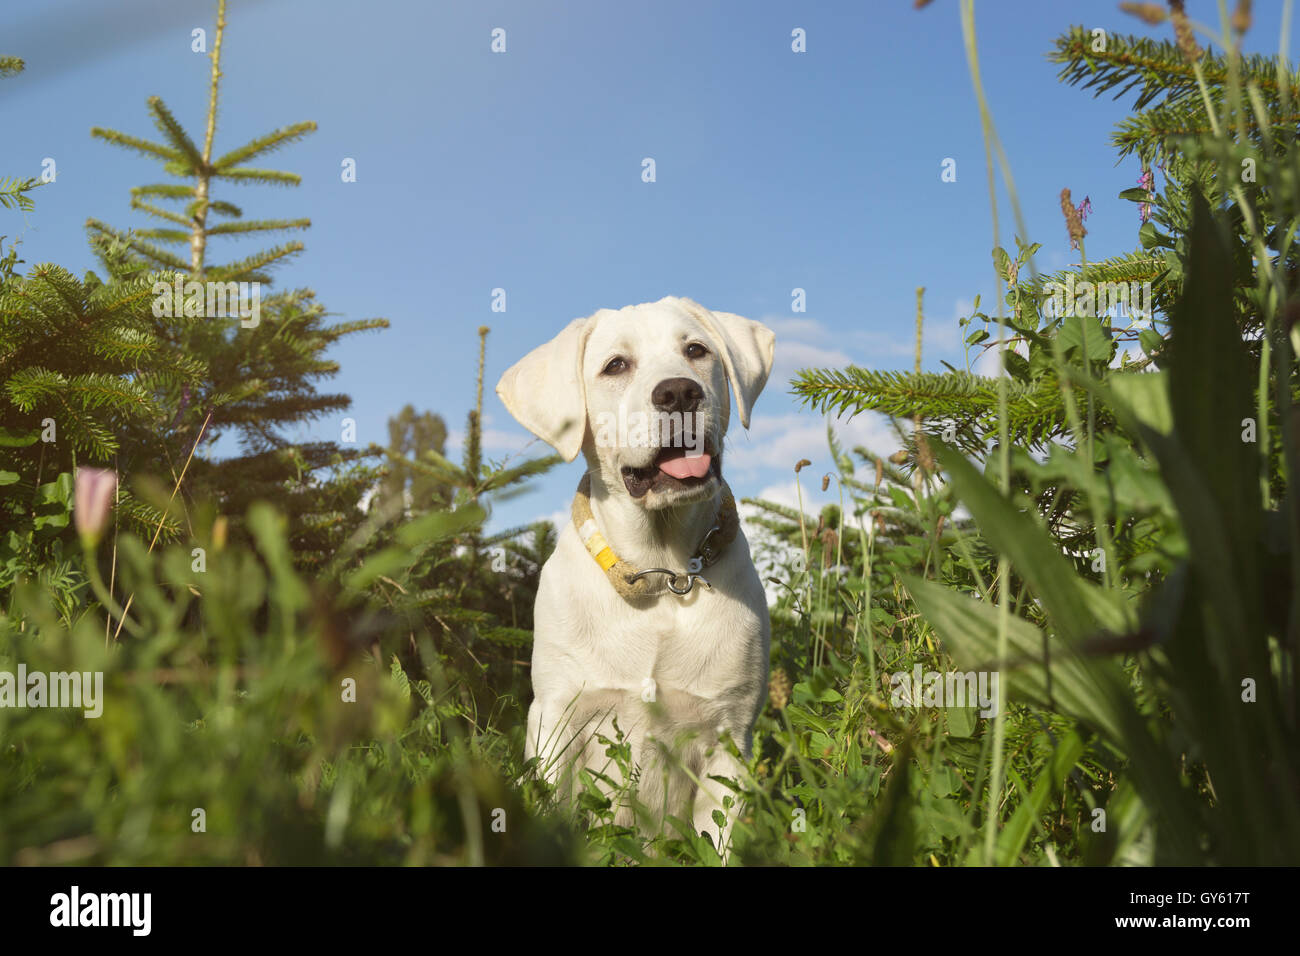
673	468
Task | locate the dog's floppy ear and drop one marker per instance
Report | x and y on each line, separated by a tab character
545	392
746	348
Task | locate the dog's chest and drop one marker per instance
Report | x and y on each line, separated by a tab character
700	660
699	646
685	668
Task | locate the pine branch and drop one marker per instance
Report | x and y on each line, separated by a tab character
129	295
1153	68
1136	266
143	146
264	144
159	258
216	206
242	268
340	329
269	177
176	236
263	225
783	511
165	190
182	145
511	476
158	213
13	193
1149	135
1035	411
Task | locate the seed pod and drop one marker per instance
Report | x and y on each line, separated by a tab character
1241	16
1151	14
1073	221
1183	32
778	688
830	540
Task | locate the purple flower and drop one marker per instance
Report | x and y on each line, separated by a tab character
1148	182
93	501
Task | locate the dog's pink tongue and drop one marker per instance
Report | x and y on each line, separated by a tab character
686	466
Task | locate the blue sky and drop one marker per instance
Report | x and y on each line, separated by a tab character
522	170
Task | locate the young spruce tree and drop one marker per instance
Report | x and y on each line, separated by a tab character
262	378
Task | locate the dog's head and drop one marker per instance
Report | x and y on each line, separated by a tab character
644	393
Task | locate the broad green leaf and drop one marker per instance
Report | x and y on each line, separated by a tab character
1038	670
1077	608
1151	341
438	525
961	721
1001	262
1074	328
1146	394
12	439
58	491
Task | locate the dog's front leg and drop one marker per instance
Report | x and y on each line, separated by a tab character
550	739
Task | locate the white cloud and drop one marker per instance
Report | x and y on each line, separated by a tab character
558	518
498	440
938	333
787	493
989	364
944	335
779	441
797	327
791	356
804	342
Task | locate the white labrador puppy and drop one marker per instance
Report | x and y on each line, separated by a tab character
645	394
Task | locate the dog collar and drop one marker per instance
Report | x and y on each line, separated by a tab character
631	583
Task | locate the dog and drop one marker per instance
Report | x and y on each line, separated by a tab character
650	620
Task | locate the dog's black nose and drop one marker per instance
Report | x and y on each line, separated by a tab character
677	395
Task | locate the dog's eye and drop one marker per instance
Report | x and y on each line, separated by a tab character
615	366
696	351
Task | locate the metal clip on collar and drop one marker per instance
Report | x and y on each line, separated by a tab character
693	567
